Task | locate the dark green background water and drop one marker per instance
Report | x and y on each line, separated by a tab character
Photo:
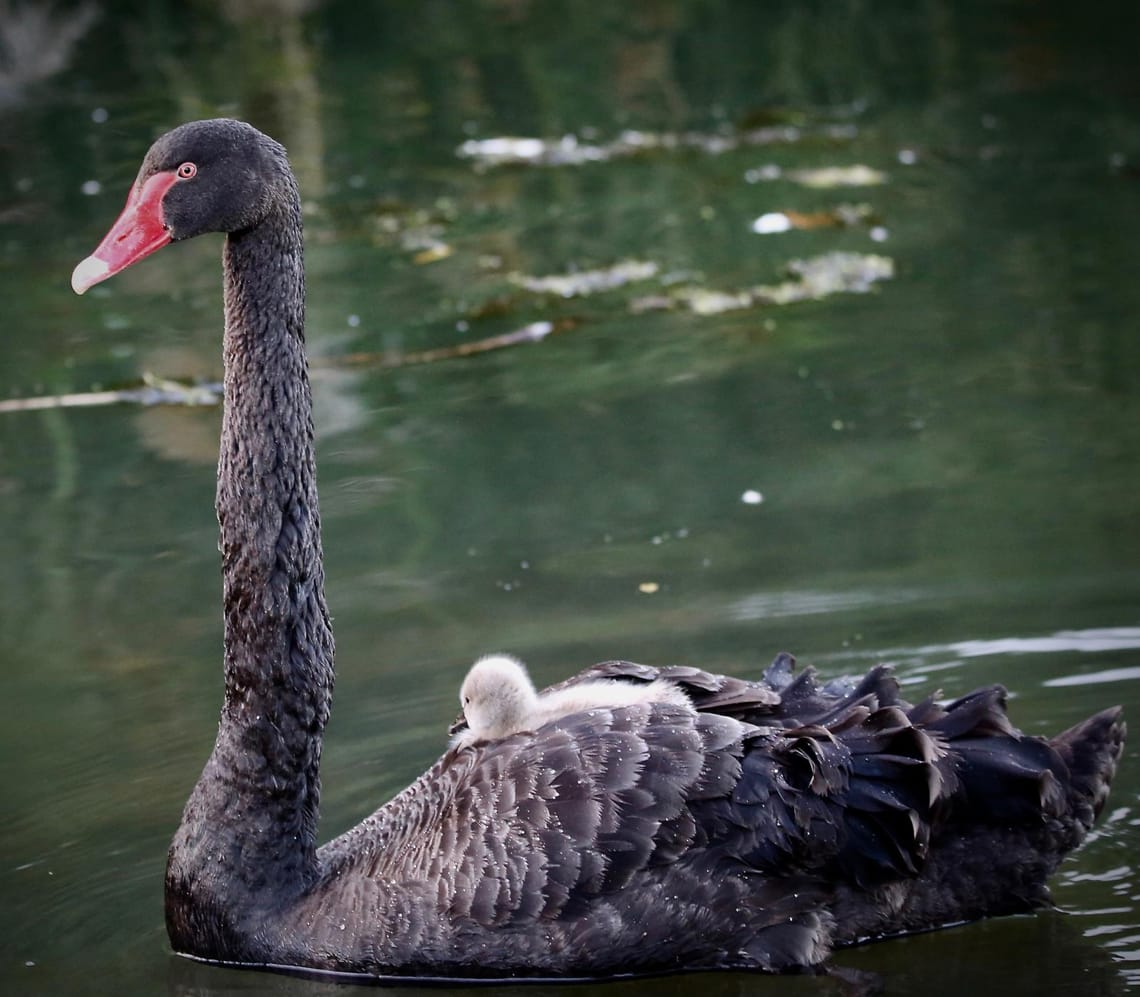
949	464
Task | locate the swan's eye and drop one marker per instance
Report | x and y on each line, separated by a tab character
187	171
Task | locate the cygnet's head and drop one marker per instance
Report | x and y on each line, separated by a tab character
497	696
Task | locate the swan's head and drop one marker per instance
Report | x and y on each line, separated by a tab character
497	696
219	175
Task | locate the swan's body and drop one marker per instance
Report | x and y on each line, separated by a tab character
773	821
499	699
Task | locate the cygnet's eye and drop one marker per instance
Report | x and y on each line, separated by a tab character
187	171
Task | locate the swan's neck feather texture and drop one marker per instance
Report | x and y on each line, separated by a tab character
248	833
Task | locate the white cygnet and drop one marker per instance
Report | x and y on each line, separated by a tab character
498	698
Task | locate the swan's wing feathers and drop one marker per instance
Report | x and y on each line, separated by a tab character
855	802
1091	751
999	774
573	803
834	791
610	670
648	822
549	821
708	692
845	779
782	697
803	700
982	713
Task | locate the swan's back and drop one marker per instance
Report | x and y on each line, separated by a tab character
771	823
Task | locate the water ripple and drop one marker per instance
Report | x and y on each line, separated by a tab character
1100	639
938	657
1094	678
771	605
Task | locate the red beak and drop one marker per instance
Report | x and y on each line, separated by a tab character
138	232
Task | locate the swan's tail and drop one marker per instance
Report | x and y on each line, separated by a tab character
1091	750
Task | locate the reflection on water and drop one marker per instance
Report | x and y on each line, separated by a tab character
940	473
1095	678
37	43
1102	639
931	657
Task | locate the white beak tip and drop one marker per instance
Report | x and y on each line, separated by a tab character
89	272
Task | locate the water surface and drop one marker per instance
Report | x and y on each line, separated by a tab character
941	473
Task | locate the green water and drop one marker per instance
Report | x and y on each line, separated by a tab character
948	465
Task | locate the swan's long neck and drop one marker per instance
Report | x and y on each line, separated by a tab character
251	822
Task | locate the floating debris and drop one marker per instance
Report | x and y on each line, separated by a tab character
828	177
160	391
767	172
648	588
586	282
563	151
432	254
811	279
752	497
422	238
841	216
820	178
153	391
418	230
772	222
534	332
653	303
837	273
570	151
701	301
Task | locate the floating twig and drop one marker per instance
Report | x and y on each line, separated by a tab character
161	391
153	391
535	332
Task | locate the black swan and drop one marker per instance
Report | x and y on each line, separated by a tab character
773	821
498	698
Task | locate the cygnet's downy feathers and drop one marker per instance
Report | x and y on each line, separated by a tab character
498	699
